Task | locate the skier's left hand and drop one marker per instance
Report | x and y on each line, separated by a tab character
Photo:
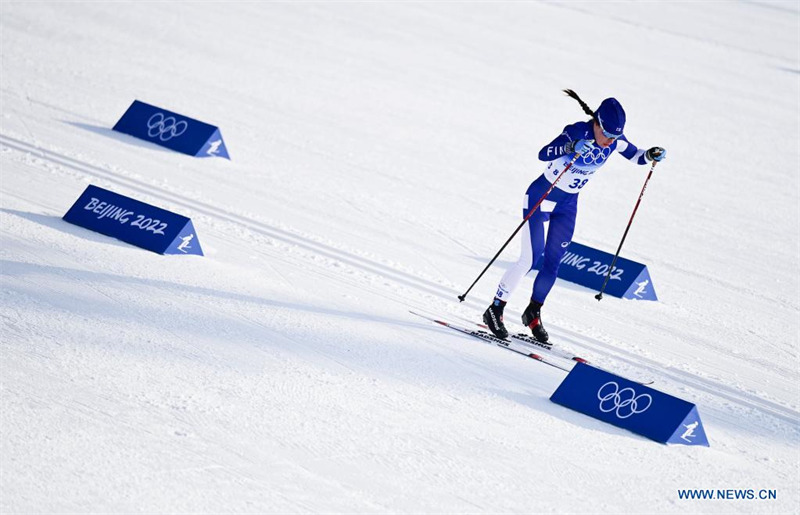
656	154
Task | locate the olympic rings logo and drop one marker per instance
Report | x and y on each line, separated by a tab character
625	401
165	128
596	156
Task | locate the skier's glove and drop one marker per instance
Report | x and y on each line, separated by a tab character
581	146
655	154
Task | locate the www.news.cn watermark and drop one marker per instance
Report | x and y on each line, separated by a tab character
728	494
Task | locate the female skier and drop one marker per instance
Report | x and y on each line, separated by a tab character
593	141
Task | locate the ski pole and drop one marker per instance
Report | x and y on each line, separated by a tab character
535	207
599	296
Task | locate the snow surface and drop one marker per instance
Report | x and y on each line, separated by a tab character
380	153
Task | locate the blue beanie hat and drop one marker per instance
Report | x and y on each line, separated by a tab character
611	116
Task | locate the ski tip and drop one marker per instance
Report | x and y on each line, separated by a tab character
427	318
580	360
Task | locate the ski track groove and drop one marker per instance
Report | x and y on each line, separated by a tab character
220	214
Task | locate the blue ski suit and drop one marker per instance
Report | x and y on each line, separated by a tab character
546	244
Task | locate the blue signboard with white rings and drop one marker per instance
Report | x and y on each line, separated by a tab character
631	405
588	267
172	130
134	222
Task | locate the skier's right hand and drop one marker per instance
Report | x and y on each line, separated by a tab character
581	146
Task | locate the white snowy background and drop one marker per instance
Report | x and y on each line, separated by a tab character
380	154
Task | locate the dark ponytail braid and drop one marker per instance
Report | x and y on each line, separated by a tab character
586	108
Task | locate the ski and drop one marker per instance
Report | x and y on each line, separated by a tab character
499	342
529	340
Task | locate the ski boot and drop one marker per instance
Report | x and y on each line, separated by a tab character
532	318
493	317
